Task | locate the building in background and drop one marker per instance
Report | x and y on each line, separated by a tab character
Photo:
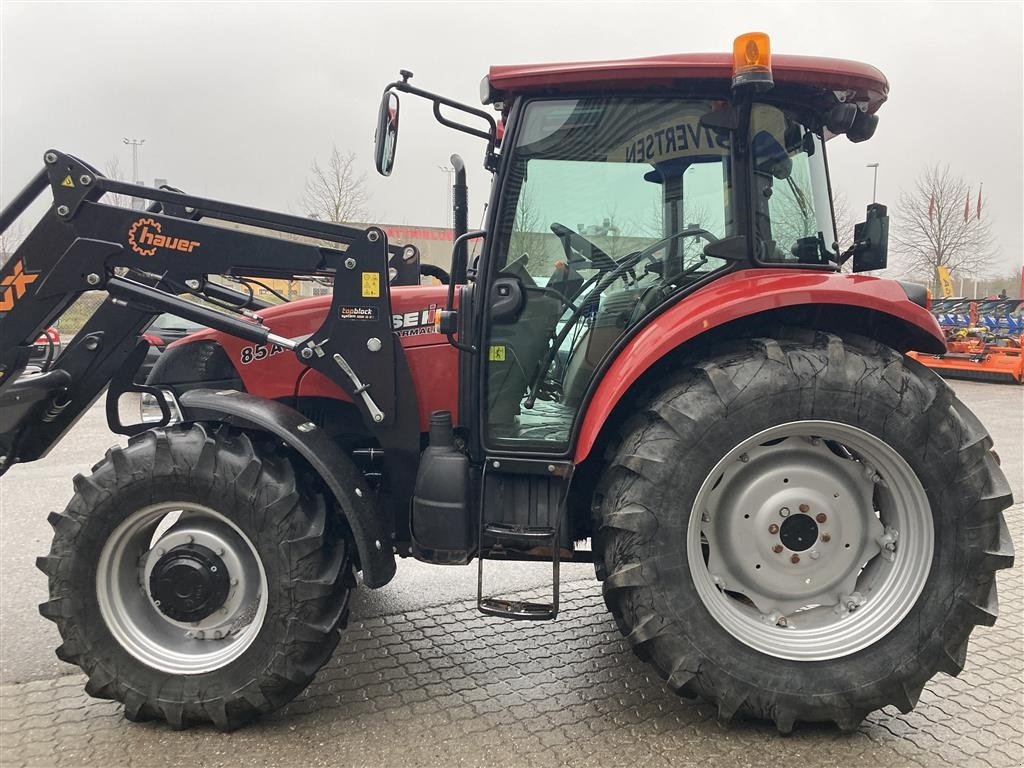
434	244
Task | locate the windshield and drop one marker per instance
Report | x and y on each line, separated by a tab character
793	221
623	174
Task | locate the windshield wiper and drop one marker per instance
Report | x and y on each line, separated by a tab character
798	194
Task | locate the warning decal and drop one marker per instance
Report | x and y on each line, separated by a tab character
371	285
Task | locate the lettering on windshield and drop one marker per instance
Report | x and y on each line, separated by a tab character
683	139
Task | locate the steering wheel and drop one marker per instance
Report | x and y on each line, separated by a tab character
573	241
628	262
654	247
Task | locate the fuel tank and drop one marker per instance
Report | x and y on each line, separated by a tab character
274	372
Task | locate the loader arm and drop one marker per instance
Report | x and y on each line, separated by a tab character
145	260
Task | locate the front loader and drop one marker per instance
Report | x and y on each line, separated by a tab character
655	351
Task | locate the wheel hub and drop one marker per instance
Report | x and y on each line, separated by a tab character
798	532
189	583
809	540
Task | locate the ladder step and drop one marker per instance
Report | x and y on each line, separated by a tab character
516	609
503	532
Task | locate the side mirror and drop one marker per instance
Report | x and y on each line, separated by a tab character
386	138
871	240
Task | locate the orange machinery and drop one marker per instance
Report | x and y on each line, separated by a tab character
983	345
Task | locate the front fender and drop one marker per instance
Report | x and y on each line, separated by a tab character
346	483
743	294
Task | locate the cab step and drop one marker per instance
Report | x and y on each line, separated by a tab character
502	534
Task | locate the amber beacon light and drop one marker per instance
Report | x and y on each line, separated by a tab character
752	60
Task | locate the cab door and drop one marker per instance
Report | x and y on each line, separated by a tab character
606	205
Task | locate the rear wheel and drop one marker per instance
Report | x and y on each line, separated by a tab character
193	578
803	529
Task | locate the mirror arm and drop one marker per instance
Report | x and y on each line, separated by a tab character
448	123
852	251
490	135
459	264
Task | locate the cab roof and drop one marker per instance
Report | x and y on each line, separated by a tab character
867	83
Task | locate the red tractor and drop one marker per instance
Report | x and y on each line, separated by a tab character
655	352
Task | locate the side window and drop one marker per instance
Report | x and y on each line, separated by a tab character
793	211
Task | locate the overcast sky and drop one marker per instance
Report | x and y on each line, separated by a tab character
235	100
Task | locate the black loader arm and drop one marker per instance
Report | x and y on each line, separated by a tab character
147	260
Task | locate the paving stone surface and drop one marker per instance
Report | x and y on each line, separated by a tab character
448	686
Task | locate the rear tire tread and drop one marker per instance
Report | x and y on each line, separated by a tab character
628	497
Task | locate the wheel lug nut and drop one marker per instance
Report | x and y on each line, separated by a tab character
777	549
773	528
826	538
804	508
784	512
794	559
815	555
820	517
782	621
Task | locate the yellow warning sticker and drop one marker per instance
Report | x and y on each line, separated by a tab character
496	354
371	285
67	182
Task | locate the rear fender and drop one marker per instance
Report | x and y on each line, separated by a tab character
351	493
870	306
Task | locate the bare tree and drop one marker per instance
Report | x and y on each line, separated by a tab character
844	220
334	192
529	235
940	223
112	170
10	239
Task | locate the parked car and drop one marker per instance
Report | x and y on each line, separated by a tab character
165	329
45	349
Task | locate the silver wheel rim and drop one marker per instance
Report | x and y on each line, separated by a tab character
133	618
810	540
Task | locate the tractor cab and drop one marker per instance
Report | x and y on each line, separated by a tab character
621	187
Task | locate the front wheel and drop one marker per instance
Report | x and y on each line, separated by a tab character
195	578
803	529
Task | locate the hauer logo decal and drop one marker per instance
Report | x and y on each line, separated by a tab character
14	286
144	236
